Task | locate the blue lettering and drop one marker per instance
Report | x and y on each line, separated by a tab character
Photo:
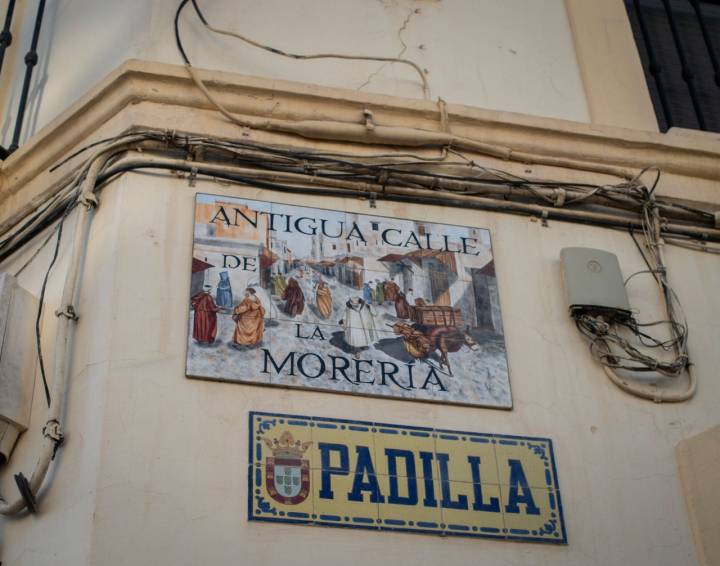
364	467
394	496
492	506
328	471
519	491
427	458
447	502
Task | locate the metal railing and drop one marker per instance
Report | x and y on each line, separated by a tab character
31	59
678	41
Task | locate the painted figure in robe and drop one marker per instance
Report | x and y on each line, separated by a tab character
205	319
323	299
224	297
249	320
294	298
359	324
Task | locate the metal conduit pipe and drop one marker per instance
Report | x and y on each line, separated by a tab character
72	175
400	136
392	193
474	187
470	187
652	394
144	143
52	431
647	391
60	199
63	343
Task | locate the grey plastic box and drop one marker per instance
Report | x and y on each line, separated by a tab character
593	280
18	358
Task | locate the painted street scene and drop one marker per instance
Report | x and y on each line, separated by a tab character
327	300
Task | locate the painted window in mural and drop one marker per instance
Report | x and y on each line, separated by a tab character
339	301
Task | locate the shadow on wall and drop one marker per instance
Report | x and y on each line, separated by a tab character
67	68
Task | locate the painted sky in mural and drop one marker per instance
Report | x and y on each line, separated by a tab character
346	302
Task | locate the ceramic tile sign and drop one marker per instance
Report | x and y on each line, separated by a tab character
345	302
344	473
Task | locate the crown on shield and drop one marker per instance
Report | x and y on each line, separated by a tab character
286	446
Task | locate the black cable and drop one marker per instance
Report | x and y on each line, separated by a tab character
41	301
178	41
199	13
642	254
94	144
445	201
320	165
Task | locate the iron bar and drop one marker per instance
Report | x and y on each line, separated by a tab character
654	67
708	43
6	35
31	59
687	72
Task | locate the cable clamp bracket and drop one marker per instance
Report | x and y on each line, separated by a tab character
169	136
544	218
369	123
53	431
373	200
717	219
560	195
69	313
309	168
23	486
89	200
192	176
382	178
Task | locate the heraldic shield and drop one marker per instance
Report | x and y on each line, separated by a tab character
287	474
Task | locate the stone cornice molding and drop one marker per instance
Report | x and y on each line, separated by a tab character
141	94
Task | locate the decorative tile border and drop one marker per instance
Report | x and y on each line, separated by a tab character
388	477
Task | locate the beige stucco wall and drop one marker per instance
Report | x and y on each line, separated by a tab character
515	55
154	467
155	464
699	461
615	85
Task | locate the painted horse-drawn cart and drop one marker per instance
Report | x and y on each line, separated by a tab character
434	328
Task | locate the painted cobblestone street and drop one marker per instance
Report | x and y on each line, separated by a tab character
486	365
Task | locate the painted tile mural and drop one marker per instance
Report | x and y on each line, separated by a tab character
389	477
351	303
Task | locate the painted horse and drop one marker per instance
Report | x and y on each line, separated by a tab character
422	341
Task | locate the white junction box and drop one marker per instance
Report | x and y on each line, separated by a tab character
18	359
593	281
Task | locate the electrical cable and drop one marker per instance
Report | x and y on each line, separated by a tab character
37	252
178	41
599	327
378	134
624	198
38	318
111	161
298	56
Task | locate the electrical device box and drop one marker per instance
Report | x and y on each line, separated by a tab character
18	358
594	282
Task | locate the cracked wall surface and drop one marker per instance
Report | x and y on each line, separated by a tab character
515	55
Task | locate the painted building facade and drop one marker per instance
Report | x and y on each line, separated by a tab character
159	467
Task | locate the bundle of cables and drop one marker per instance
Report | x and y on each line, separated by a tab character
609	330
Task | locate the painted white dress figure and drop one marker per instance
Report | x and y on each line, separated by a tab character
359	324
410	297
